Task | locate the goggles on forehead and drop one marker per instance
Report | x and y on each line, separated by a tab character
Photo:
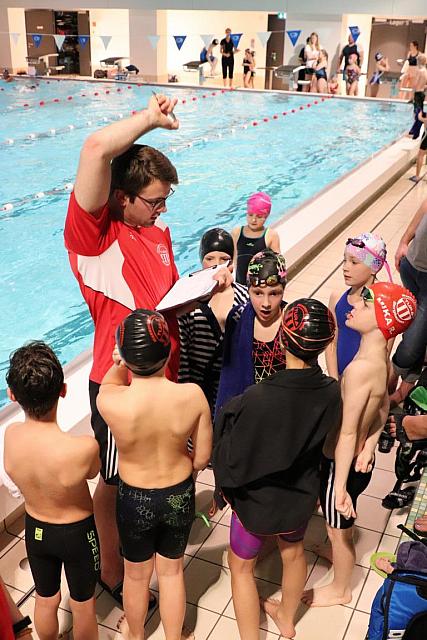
367	295
269	281
360	244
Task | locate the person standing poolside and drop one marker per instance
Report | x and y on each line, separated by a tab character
227	51
51	469
409	70
384	311
420	84
352	73
268	445
411	262
311	54
347	51
364	257
156	496
253	237
201	331
121	254
381	67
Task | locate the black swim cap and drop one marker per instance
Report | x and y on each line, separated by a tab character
267	268
216	240
309	327
143	341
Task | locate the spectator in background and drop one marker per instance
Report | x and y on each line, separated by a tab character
352	73
301	72
334	86
409	70
349	49
321	73
206	55
227	51
312	54
253	72
381	66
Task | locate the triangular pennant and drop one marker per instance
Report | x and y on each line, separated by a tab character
207	38
83	40
355	32
59	41
179	41
106	40
15	37
235	38
294	35
264	36
154	41
37	39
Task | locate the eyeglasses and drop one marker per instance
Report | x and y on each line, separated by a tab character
360	244
158	203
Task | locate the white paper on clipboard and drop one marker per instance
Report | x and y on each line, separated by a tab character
190	288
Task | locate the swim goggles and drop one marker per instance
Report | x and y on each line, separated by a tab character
269	281
360	244
367	295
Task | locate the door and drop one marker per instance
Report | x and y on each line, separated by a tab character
275	49
40	21
84	30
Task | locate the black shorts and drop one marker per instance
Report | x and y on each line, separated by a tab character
423	145
155	520
104	438
75	545
357	482
227	65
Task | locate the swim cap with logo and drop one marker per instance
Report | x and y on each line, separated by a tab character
368	248
216	240
378	56
143	341
259	204
267	268
309	327
395	307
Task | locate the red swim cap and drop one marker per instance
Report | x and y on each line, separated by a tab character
395	308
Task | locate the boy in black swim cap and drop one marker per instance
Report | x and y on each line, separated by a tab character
268	443
155	502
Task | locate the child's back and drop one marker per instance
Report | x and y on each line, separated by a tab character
50	468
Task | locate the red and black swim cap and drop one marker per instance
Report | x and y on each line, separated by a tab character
309	327
143	341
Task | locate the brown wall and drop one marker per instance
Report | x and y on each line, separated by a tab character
40	21
84	53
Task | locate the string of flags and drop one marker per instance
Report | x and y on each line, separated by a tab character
263	36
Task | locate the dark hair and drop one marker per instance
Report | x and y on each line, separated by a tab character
35	378
215	41
138	167
415	43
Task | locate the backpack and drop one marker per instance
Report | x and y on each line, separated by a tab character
399	609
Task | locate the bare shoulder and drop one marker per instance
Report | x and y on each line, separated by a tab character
235	233
192	395
111	397
333	299
81	446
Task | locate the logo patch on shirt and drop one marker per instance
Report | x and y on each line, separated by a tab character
38	534
162	250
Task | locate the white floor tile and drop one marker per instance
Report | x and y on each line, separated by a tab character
397	516
17	528
198	620
366	542
208	585
323	623
7	541
372	584
14	568
358	626
381	483
226	629
206	477
370	514
214	549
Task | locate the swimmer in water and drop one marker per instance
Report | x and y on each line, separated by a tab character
6	76
384	311
155	468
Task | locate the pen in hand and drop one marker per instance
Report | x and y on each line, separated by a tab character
170	115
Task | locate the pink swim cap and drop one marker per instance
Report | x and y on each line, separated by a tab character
259	204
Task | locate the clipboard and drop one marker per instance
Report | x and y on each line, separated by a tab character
191	287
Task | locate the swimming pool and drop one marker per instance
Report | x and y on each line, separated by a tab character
221	157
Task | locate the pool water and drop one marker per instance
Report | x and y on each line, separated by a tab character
221	158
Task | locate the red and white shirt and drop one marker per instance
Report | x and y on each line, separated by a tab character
119	268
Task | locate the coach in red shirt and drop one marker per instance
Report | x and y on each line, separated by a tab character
121	255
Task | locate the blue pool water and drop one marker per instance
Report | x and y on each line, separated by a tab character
220	163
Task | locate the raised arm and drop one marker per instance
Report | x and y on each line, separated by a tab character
92	186
402	249
202	435
355	398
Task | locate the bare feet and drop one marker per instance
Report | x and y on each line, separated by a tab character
420	525
323	550
325	597
271	607
384	564
123	627
213	508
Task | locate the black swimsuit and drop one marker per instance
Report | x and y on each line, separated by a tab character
246	249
